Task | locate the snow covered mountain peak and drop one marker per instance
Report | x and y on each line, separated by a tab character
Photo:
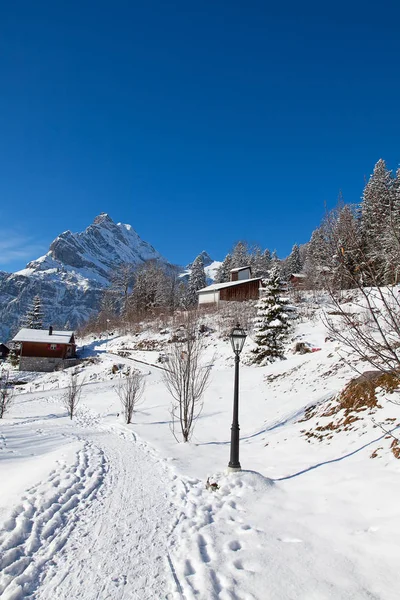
94	252
103	218
70	278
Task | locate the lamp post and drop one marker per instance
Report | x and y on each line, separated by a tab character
238	337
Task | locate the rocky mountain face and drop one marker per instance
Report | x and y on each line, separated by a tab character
71	277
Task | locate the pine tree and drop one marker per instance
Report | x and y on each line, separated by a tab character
293	262
240	255
224	270
34	317
260	262
390	241
197	279
272	321
375	213
345	248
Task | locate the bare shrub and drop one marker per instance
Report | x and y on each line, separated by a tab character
187	377
130	391
72	394
6	394
231	313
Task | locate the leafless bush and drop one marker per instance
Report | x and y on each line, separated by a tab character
187	377
373	332
72	394
6	394
130	391
231	313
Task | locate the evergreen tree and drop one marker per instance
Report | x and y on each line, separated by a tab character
224	270
293	262
345	248
390	242
197	279
272	321
240	255
260	262
34	317
375	214
275	262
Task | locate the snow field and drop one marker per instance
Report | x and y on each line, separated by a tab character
307	519
40	525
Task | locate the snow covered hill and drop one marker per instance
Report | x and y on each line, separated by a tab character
72	275
97	509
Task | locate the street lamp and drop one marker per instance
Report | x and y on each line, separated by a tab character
238	337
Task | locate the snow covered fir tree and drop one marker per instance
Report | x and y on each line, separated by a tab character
272	322
34	317
197	279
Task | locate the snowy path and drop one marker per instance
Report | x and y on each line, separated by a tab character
96	528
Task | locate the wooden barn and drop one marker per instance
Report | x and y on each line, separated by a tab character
241	287
44	350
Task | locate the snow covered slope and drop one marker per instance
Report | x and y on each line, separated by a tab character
72	275
97	509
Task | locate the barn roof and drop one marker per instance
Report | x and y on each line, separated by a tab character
220	286
42	335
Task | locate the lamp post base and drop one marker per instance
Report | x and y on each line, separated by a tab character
233	469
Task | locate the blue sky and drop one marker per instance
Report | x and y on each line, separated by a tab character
198	123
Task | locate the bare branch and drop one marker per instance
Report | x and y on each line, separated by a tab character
187	377
130	391
72	395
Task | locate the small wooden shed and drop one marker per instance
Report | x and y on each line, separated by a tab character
44	349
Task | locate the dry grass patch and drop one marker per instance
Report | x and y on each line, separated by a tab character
344	412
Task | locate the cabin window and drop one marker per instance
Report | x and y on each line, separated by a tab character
53	346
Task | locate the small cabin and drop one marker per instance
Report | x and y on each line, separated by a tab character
44	349
4	351
241	287
297	280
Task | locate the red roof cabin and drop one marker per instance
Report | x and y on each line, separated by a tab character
44	349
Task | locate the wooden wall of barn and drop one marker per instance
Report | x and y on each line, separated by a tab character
246	291
43	349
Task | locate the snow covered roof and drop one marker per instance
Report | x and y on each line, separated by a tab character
219	286
42	335
240	269
298	275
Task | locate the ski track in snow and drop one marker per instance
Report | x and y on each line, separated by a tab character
95	529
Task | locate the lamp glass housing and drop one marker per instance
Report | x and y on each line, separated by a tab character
238	337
